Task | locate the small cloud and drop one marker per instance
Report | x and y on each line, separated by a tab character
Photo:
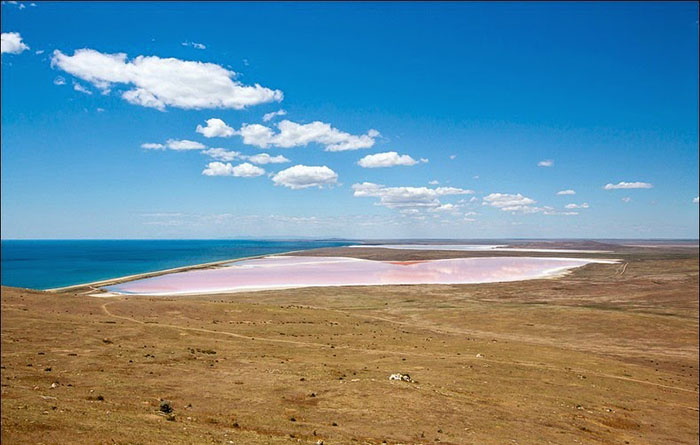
303	176
264	158
577	206
221	154
546	163
434	182
215	128
153	146
184	144
292	134
100	110
245	170
11	43
80	88
566	192
388	159
194	45
39	52
59	81
626	199
269	116
453	157
696	200
628	185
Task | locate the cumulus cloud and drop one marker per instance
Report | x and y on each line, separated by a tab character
628	185
546	163
515	203
247	170
577	206
303	176
269	116
292	134
244	170
11	43
164	82
215	128
566	192
184	144
264	158
194	45
221	154
406	197
388	159
59	81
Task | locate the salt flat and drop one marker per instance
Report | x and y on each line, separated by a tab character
279	272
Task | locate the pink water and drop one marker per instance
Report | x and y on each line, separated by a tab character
296	271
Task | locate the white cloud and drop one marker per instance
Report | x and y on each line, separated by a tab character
264	158
39	52
292	134
451	208
184	144
59	81
566	192
153	146
388	159
11	43
247	170
269	116
434	182
696	200
628	185
80	88
406	197
303	176
577	206
244	170
160	83
546	163
221	154
215	128
515	203
453	157
626	199
100	110
194	45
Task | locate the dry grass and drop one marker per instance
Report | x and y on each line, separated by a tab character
607	354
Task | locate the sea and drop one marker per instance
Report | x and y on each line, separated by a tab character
46	264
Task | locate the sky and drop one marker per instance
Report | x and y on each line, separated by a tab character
354	120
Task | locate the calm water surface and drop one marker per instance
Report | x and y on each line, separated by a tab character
42	264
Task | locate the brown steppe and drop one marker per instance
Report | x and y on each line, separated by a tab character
607	354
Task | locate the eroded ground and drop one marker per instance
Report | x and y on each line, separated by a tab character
607	354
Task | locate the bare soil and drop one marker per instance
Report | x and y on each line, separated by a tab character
607	354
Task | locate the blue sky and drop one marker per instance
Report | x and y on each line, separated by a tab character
444	120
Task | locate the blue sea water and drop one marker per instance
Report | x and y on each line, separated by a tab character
45	264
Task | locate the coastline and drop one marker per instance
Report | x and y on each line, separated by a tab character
156	273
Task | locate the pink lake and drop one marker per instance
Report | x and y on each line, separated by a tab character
279	272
